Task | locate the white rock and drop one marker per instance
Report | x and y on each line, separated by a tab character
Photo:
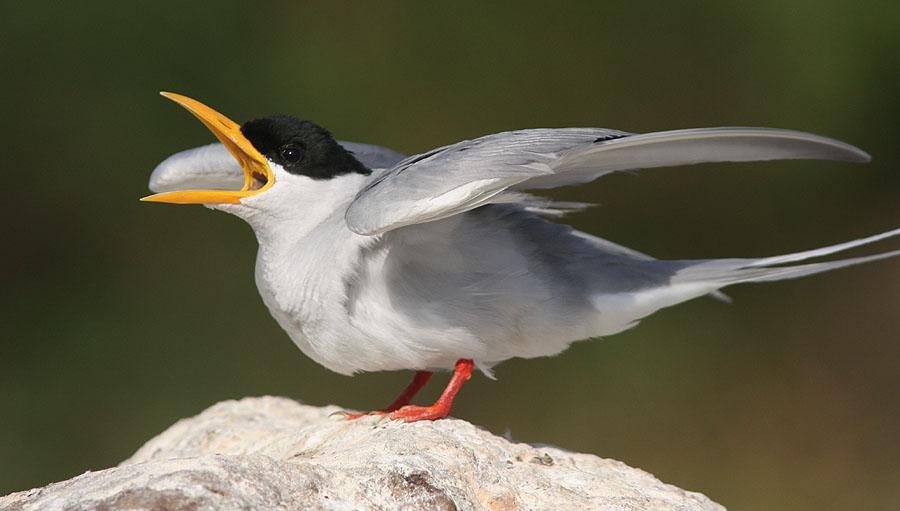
274	453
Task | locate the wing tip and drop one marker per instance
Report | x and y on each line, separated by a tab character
859	156
842	151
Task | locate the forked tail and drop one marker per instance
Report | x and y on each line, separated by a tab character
683	280
724	272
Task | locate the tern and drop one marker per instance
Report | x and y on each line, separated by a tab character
373	261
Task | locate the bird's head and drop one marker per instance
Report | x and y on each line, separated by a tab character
273	160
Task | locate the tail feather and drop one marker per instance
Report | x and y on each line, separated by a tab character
824	251
683	280
802	270
719	273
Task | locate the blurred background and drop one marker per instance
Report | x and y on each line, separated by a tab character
121	317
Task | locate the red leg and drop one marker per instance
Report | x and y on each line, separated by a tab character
419	381
441	407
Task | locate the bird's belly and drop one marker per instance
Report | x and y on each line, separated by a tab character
350	346
370	340
378	335
433	328
296	330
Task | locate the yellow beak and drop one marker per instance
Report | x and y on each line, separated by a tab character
258	175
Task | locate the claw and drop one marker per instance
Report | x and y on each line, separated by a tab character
354	416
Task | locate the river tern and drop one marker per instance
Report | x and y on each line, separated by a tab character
373	261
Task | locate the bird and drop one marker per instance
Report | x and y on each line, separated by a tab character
442	261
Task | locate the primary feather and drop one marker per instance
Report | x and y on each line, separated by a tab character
462	176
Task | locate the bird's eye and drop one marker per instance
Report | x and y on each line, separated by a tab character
291	153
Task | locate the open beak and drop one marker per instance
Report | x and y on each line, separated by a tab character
258	175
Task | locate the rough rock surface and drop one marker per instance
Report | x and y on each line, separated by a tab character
274	453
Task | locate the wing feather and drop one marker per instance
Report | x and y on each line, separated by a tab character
373	156
456	178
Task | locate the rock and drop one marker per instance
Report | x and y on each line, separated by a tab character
274	453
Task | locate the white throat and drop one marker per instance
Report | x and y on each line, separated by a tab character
306	252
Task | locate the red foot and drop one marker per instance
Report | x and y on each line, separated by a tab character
419	381
414	413
440	409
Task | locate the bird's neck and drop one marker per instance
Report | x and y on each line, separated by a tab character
306	250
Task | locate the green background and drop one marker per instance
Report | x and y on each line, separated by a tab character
120	317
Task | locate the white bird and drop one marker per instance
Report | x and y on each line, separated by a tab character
374	262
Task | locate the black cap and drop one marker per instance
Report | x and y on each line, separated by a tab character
301	147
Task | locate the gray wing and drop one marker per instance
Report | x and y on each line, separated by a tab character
373	156
212	166
462	176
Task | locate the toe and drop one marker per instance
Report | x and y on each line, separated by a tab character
419	413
